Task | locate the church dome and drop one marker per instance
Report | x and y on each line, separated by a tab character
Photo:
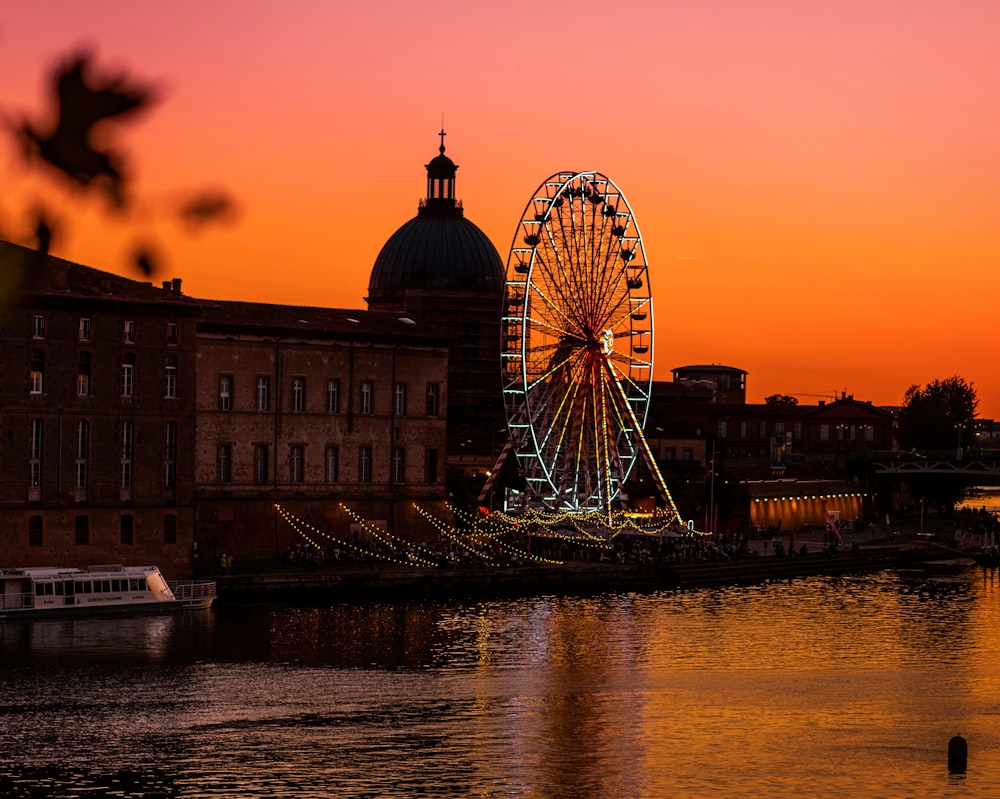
439	249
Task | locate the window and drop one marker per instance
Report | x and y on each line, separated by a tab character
743	429
37	330
128	429
83	374
35	531
869	432
37	370
170	528
399	399
365	465
128	375
333	396
224	463
263	393
128	331
260	463
84	329
399	465
295	458
170	377
722	428
366	396
172	333
298	394
225	392
332	464
127	530
35	454
433	399
169	454
82	451
797	430
846	432
762	430
431	466
82	530
824	432
779	428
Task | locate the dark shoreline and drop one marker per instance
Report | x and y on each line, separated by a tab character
297	585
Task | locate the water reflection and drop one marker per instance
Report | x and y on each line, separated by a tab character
847	686
139	639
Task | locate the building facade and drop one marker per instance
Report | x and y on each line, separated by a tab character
96	417
141	426
331	414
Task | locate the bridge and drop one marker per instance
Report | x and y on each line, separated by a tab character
984	466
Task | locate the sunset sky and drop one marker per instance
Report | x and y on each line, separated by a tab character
817	183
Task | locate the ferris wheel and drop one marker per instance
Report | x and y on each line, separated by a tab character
577	355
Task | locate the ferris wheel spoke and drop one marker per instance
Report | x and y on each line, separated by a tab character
555	309
552	396
557	424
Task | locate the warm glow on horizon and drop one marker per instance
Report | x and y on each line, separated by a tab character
815	183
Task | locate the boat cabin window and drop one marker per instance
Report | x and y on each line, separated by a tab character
83	587
44	589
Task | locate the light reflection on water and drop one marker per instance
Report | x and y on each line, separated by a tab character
847	686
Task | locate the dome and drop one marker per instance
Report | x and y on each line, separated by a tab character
439	249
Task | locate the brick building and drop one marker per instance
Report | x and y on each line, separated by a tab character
136	421
96	416
314	409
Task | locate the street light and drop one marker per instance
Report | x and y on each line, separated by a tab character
710	522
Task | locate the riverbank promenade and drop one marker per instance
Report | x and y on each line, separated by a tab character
346	582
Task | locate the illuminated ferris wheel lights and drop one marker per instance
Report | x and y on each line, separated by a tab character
575	384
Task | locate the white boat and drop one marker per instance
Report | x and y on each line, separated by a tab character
96	590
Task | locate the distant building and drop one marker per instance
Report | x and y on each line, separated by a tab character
699	433
727	384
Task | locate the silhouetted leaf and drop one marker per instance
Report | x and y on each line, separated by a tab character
208	206
84	102
146	260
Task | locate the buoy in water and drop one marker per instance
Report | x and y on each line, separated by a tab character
958	755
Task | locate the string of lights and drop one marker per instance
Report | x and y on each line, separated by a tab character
496	537
453	535
385	537
300	527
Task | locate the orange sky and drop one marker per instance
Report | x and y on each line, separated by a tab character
816	183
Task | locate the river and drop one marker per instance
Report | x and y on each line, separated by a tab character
841	686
